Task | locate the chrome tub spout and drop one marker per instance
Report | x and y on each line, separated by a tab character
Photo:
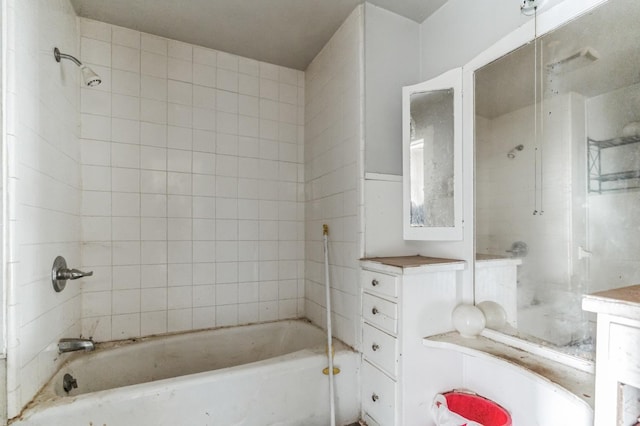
72	345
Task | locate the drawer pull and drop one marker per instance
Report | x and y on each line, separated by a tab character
374	282
374	397
374	311
375	347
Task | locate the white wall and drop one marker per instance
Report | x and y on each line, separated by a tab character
333	170
391	51
43	191
192	213
612	217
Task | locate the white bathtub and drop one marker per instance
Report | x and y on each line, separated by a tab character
265	374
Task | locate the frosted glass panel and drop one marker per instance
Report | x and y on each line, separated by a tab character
431	151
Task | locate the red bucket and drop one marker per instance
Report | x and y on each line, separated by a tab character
478	409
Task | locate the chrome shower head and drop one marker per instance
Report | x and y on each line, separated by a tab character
88	75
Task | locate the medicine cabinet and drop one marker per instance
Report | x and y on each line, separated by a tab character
432	158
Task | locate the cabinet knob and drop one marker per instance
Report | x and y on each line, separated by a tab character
375	347
374	311
374	282
374	397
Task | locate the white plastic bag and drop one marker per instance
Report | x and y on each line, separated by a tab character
445	417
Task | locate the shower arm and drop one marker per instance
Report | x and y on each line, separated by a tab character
58	55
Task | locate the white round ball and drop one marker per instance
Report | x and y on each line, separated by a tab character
494	314
468	320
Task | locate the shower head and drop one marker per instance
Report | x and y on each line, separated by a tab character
88	75
512	154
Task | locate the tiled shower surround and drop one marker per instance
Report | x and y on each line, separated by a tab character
192	187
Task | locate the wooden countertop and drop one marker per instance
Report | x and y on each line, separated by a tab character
413	264
624	301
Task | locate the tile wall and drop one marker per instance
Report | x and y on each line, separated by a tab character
333	171
192	202
43	191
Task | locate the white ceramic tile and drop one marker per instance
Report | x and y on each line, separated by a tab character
153	134
125	37
269	71
125	107
178	69
95	102
153	158
179	92
204	273
153	205
95	153
95	29
204	251
227	61
227	123
179	137
96	203
179	229
248	85
153	44
95	127
96	228
180	50
125	155
204	119
269	89
204	141
179	206
227	80
226	186
179	320
125	326
227	144
226	315
153	276
153	88
125	180
204	75
204	56
125	58
226	272
95	178
153	252
179	115
268	311
204	97
153	64
288	76
125	302
94	51
154	182
204	207
204	317
180	275
153	229
125	131
249	66
125	82
153	323
125	204
179	160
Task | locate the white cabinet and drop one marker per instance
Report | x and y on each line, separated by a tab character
403	300
617	355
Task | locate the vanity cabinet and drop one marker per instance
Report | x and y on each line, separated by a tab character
403	300
617	355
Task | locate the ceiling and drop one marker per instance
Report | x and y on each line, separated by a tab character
283	32
611	32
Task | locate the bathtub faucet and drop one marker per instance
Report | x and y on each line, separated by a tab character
71	345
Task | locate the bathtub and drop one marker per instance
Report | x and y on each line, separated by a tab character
264	374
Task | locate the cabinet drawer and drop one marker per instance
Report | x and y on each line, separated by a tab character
378	395
380	312
624	342
381	349
380	283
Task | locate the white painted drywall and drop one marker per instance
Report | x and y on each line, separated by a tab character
391	45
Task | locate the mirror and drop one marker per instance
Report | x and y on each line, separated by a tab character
557	139
431	159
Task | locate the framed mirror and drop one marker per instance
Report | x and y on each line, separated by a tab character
557	141
432	158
